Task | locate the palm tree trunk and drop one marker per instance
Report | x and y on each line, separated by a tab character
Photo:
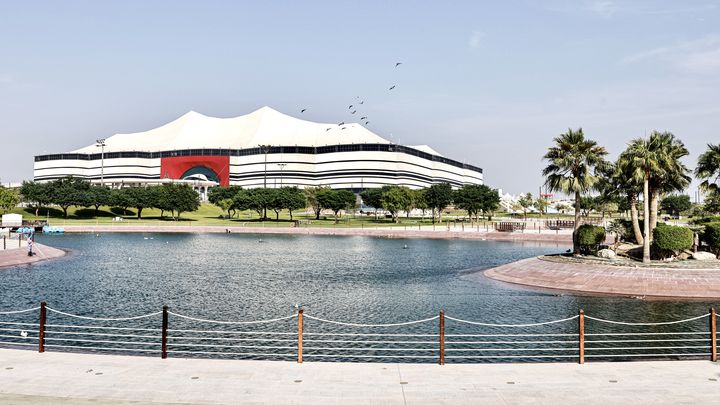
576	247
654	197
635	221
646	221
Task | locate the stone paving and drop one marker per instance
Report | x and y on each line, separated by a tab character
16	257
28	377
609	279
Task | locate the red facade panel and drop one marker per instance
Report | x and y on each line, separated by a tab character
174	167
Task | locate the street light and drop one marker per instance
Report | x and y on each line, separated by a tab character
101	144
265	149
282	166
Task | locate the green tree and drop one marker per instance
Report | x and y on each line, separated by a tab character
218	194
525	202
395	199
311	195
572	162
542	204
708	168
645	160
476	198
70	191
255	199
98	196
226	204
8	199
438	197
712	202
293	199
587	204
336	200
672	175
371	198
675	204
626	186
143	197
36	194
419	200
120	198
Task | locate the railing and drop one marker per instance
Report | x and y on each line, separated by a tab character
299	336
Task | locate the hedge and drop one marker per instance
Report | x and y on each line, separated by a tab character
668	238
589	237
711	236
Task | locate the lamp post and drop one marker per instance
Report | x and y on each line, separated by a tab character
265	149
282	166
101	144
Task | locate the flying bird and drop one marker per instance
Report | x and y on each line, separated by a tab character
392	87
398	64
367	122
363	118
350	106
362	102
328	129
303	110
342	123
354	111
343	127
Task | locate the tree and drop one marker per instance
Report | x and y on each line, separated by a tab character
571	169
120	198
8	199
626	185
708	168
143	197
180	198
293	199
675	204
419	200
541	204
99	195
712	202
438	197
645	160
396	199
371	198
587	204
311	195
476	198
525	202
335	200
255	199
36	194
69	191
226	204
218	194
672	175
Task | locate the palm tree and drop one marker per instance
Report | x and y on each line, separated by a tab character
672	175
571	169
708	168
624	183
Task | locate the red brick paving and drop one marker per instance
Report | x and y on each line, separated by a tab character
605	279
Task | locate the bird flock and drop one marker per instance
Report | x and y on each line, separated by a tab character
355	108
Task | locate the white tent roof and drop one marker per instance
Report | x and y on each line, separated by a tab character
264	126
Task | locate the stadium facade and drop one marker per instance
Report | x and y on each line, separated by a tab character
263	148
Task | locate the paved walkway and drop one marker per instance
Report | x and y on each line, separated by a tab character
440	231
31	378
608	279
17	257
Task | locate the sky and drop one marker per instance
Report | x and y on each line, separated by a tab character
490	83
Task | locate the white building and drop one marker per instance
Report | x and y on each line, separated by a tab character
264	147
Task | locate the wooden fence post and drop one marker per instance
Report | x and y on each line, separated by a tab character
581	336
300	335
163	353
41	332
442	337
713	335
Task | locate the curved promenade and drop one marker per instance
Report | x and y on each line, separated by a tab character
602	279
18	256
29	377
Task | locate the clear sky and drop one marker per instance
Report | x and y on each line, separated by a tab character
488	83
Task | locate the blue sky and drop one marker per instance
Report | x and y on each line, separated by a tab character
489	83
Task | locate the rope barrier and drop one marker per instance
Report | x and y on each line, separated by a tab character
18	330
646	323
233	353
380	349
18	344
233	322
371	334
372	341
118	349
18	337
647	355
546	349
233	346
647	348
511	325
102	327
534	356
20	311
103	319
100	334
645	340
513	342
20	324
231	339
233	332
379	356
370	325
514	335
104	341
645	333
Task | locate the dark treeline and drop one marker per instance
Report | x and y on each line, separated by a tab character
74	192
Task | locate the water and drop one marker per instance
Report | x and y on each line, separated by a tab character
350	279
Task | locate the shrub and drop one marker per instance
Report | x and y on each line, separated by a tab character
706	220
711	236
589	237
668	239
625	227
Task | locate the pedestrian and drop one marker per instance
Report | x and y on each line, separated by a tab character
30	246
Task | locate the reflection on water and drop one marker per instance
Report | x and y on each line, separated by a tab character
353	279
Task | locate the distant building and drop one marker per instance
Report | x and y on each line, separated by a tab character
263	148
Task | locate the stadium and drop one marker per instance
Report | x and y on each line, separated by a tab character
263	148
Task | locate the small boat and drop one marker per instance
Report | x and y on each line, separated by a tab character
53	229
